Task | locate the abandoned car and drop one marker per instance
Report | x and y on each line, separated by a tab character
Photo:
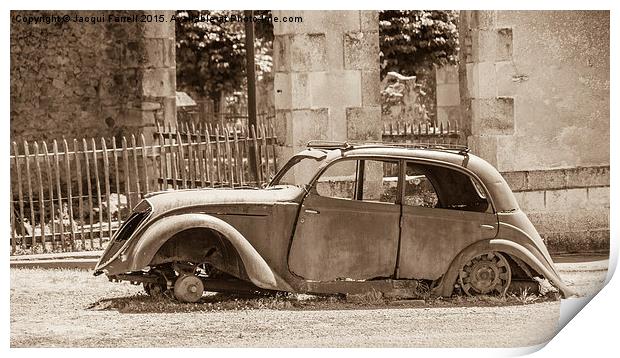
338	218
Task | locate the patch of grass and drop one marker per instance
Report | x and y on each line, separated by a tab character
372	297
526	298
142	303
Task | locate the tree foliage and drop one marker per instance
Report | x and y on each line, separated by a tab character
412	41
210	55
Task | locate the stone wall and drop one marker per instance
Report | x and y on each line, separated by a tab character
535	100
447	94
326	78
76	80
569	207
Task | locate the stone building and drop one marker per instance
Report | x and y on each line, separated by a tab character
98	77
326	77
534	89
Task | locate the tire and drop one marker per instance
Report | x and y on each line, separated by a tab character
485	274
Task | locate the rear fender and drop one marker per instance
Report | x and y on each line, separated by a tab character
514	249
161	231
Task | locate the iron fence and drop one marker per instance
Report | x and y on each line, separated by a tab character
412	132
73	195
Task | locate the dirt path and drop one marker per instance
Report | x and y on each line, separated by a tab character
49	308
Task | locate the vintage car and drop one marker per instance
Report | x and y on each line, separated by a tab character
339	218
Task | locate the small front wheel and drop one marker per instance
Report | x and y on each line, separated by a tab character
188	288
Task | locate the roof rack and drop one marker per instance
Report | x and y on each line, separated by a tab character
325	144
328	144
461	149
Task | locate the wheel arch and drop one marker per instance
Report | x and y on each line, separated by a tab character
158	234
507	247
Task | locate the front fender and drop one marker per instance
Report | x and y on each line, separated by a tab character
157	234
509	247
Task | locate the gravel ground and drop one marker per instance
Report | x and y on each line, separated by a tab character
71	308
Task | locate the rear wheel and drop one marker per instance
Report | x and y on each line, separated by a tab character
485	274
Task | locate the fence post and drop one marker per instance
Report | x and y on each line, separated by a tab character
69	192
30	198
41	197
98	187
90	194
12	220
126	169
106	176
144	166
78	171
254	154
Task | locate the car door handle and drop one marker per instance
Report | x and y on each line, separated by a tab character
312	211
490	227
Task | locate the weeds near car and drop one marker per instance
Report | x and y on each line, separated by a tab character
373	297
525	297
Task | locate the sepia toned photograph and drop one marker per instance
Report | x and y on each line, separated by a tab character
306	178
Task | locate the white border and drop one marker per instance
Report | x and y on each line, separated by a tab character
593	331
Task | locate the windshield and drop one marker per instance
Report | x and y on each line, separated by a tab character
298	171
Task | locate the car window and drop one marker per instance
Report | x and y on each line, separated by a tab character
364	180
338	180
441	187
379	181
299	173
418	189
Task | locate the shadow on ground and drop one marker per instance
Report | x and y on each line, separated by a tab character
142	303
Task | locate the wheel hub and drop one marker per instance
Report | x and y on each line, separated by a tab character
188	288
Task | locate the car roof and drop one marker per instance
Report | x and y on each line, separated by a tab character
453	156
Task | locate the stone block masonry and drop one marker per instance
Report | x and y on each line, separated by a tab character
447	95
326	78
103	79
568	207
534	89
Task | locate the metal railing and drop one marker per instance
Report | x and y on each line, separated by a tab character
412	132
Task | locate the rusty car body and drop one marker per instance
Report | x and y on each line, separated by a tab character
337	219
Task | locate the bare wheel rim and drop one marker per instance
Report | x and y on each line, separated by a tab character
485	274
188	288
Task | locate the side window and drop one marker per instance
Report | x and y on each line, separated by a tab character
338	181
380	181
441	187
364	180
418	189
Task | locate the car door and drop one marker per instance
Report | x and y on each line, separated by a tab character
348	223
444	210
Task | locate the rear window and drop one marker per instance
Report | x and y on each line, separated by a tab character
444	188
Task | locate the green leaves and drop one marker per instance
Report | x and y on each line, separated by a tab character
210	55
412	40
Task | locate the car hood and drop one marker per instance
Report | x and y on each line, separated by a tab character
169	200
